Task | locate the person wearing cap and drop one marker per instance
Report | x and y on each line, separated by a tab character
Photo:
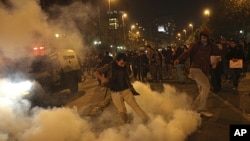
122	91
200	65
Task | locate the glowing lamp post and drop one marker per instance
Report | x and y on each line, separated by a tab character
185	33
207	15
109	4
192	27
124	15
207	12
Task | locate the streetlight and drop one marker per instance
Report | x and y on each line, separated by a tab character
109	4
178	37
124	15
132	27
185	32
179	34
207	12
138	33
192	27
137	39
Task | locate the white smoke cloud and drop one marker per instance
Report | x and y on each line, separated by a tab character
68	24
19	25
24	24
170	119
56	124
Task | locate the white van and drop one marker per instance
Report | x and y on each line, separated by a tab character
57	71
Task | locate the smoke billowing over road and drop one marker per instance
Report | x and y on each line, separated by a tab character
169	111
24	24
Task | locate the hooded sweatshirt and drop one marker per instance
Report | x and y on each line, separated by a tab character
200	54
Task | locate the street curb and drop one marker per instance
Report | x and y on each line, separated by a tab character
236	109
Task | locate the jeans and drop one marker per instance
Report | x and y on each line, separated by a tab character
216	77
200	102
156	72
180	72
169	71
225	69
235	75
126	96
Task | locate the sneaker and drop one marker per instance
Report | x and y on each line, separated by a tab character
206	114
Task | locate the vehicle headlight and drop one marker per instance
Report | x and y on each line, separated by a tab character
22	87
15	89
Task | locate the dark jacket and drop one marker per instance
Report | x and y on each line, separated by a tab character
106	60
168	56
235	52
118	77
178	53
200	55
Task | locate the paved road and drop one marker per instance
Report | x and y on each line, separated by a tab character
226	108
225	105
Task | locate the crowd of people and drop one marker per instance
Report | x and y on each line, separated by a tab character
209	63
149	65
156	65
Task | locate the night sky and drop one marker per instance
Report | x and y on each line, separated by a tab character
183	11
